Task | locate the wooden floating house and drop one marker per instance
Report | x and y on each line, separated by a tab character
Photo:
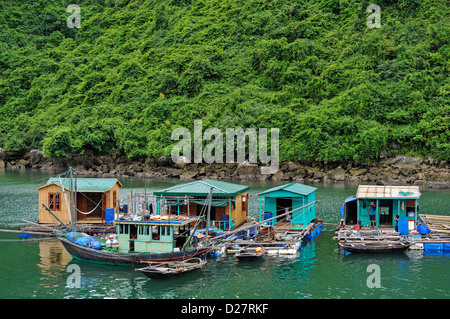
389	201
281	199
229	204
95	198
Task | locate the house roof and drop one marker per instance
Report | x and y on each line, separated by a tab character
295	188
386	191
202	188
85	184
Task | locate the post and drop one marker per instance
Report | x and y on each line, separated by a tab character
209	212
48	209
259	200
72	201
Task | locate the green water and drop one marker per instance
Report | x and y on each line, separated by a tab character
38	269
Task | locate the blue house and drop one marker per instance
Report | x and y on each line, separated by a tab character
389	201
280	199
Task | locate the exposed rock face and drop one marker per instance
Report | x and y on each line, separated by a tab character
393	171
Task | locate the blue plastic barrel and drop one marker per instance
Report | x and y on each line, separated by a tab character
109	215
267	216
403	226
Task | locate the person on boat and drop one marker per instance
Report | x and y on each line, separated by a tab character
341	224
371	212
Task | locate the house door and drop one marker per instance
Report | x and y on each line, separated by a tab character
351	212
386	212
283	205
81	206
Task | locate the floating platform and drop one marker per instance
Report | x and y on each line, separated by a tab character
434	243
277	239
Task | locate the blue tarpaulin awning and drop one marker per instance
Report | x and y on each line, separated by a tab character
350	199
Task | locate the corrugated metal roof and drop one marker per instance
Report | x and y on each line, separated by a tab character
386	191
86	184
293	187
202	188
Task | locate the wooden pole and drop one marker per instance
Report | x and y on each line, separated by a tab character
264	221
27	232
209	211
72	201
48	209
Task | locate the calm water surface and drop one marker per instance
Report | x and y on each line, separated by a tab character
38	269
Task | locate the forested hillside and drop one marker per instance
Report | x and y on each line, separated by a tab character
137	69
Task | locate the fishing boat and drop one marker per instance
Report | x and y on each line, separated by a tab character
139	241
376	247
250	253
171	269
158	238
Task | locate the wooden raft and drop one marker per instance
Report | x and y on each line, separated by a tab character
437	223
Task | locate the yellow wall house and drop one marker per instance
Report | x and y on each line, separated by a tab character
94	196
229	201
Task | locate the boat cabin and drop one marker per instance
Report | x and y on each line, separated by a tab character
388	201
96	200
281	199
229	204
159	235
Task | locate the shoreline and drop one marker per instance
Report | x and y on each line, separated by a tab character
398	170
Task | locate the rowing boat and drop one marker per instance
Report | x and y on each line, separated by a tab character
169	270
375	246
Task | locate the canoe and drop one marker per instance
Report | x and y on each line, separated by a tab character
250	253
109	257
374	247
171	269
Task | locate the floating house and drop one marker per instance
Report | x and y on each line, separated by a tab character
95	198
281	199
389	201
229	204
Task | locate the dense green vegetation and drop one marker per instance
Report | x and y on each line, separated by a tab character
137	69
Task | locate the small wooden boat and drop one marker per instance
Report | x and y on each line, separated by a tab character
168	270
375	246
250	253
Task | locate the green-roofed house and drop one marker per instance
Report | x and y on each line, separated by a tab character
280	199
229	203
93	197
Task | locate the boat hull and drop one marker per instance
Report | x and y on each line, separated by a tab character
107	257
248	257
169	271
374	249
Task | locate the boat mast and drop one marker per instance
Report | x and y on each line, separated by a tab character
209	212
72	201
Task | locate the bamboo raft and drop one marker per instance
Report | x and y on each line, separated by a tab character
437	223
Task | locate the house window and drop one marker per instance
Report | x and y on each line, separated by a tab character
114	199
54	201
244	203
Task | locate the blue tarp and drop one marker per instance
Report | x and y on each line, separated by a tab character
84	240
350	199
